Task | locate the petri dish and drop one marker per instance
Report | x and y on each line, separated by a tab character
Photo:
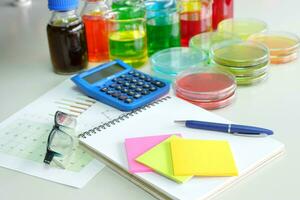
279	43
205	85
212	105
250	80
242	27
237	54
167	63
284	59
247	71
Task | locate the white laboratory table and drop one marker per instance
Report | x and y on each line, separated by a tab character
26	73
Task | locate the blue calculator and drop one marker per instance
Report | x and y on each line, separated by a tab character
119	85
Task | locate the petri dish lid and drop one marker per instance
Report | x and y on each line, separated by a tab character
250	80
205	84
237	54
177	59
284	59
206	40
242	27
212	105
247	71
279	43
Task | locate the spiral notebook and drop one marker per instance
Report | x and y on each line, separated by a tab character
106	141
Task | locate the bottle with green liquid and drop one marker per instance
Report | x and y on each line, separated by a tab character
127	35
163	27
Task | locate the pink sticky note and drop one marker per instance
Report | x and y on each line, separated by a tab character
137	146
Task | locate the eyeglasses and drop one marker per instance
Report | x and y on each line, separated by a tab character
60	141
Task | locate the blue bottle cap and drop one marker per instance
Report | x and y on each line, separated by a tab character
62	5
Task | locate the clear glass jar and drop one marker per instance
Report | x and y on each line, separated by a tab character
163	27
96	29
195	18
67	44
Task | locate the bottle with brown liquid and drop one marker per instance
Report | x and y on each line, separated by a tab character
66	37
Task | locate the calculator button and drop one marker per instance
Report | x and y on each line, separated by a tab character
127	84
133	80
120	81
116	94
145	92
123	76
124	90
146	86
114	85
110	92
142	76
131	93
115	79
136	74
119	87
131	72
128	100
132	86
104	89
128	78
123	97
138	89
140	83
148	79
137	95
152	88
158	83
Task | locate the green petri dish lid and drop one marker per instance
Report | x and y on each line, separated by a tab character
240	54
250	80
242	27
177	59
204	41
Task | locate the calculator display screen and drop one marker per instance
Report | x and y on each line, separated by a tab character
104	73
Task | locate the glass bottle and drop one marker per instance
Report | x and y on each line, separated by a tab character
195	18
222	9
66	37
96	29
163	29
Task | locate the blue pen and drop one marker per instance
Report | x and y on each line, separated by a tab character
228	128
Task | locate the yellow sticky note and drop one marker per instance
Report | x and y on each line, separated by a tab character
159	159
202	158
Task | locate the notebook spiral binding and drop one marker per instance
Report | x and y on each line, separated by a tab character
123	117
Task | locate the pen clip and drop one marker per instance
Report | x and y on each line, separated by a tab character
250	135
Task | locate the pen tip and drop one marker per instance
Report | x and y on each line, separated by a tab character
180	122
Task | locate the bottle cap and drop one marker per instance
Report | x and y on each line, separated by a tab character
62	5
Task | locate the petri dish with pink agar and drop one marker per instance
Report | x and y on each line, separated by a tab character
283	46
208	87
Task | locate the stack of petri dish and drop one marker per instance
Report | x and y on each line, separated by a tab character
248	61
167	63
209	88
283	46
242	27
205	41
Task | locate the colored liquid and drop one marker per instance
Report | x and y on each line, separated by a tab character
162	37
222	9
97	38
67	48
192	23
129	46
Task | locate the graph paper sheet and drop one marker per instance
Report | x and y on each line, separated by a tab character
23	136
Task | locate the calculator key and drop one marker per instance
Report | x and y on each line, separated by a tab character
104	89
110	92
124	90
139	89
152	88
119	87
116	94
131	93
115	80
143	77
133	80
128	78
131	72
127	84
145	92
148	79
123	97
132	86
120	81
158	83
146	86
114	85
140	83
123	76
137	95
128	100
136	74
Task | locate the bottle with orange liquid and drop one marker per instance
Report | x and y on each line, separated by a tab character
96	29
195	18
